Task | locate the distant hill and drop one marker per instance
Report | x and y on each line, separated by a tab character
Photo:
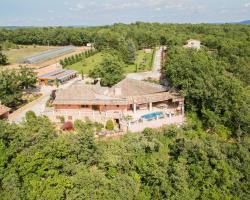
245	22
242	22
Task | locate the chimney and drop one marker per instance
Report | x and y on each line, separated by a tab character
118	91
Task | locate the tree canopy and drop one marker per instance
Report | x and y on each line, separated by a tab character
13	83
111	71
40	162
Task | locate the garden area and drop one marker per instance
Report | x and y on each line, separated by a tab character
142	63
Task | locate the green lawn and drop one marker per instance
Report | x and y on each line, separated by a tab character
88	64
15	55
143	61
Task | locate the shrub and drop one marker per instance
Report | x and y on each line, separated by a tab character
110	125
170	131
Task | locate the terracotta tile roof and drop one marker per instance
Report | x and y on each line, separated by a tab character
132	87
130	91
4	109
80	93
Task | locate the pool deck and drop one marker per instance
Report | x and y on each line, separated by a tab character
156	123
136	123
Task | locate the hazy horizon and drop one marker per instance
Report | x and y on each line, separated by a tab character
107	12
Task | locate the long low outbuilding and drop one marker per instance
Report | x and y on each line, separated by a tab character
47	55
61	75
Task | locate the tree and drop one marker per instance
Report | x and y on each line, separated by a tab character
27	77
3	58
129	52
62	63
111	71
10	88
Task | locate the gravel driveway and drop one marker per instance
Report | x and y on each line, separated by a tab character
37	106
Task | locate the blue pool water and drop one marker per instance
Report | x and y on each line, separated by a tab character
152	115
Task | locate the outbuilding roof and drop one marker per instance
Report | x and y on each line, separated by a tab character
57	74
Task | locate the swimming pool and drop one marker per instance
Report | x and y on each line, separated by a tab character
153	115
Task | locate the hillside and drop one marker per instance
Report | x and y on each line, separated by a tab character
38	162
245	22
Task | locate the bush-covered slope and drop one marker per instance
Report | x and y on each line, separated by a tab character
38	162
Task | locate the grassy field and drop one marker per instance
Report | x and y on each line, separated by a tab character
88	64
143	62
15	55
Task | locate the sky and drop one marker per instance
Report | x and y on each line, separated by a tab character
103	12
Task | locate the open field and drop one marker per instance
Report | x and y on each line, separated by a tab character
15	55
143	62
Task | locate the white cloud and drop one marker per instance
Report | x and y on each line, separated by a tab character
118	6
66	3
77	7
223	11
158	9
174	6
51	11
247	5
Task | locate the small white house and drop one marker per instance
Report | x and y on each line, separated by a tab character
196	44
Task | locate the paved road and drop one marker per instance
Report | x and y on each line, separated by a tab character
37	106
156	71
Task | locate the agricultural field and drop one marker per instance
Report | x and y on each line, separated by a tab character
15	55
143	62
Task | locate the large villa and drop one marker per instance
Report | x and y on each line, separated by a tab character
132	104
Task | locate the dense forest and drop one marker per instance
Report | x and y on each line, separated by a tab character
39	162
208	158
